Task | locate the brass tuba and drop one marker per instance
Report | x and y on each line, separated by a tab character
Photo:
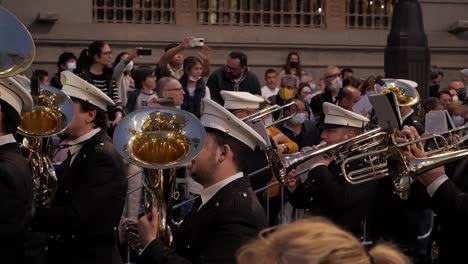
405	90
52	111
157	139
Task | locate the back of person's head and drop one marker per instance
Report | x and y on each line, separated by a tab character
162	84
119	58
240	56
171	46
314	241
40	74
86	58
10	118
63	58
140	74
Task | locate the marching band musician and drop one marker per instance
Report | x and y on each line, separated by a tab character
85	213
447	191
325	191
16	186
243	104
227	214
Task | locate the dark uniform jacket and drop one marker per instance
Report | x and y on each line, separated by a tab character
86	211
326	192
15	202
214	233
450	203
413	120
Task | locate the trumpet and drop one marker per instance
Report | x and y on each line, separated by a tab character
270	110
366	141
389	161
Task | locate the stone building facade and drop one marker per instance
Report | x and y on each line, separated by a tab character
341	32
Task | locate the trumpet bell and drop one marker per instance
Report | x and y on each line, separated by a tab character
52	113
159	138
405	90
17	48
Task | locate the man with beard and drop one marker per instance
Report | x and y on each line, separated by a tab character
333	84
85	213
227	214
233	76
16	184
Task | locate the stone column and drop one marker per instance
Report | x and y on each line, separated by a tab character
335	15
186	12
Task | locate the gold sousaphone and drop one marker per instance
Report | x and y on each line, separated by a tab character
52	111
158	139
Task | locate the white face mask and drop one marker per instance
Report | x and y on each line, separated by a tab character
336	84
194	79
308	98
455	98
71	66
298	119
458	120
129	67
313	86
267	121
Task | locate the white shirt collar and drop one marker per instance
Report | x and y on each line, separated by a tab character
76	144
8	138
403	118
208	193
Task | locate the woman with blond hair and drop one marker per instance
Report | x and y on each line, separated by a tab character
315	241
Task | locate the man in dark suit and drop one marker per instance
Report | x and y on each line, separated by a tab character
325	191
449	200
85	213
15	174
228	213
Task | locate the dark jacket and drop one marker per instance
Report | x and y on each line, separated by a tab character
309	136
316	103
84	216
327	193
450	203
413	120
15	202
218	81
132	100
214	233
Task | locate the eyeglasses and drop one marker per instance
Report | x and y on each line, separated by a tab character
332	76
229	69
107	52
175	89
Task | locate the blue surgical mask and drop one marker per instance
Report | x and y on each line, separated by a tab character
313	86
298	119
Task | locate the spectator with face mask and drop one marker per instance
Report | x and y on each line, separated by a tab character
455	110
293	65
123	66
333	84
445	98
66	62
299	128
288	90
271	83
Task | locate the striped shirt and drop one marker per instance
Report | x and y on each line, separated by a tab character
100	82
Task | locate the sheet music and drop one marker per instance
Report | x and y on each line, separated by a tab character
387	110
436	121
363	106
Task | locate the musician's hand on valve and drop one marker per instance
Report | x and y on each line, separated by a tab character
430	176
148	227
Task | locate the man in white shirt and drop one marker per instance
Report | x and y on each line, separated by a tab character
85	213
228	213
271	83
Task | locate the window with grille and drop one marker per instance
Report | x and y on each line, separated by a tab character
134	11
279	13
369	14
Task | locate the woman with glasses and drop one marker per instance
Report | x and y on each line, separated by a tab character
95	66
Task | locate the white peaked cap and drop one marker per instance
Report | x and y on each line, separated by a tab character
409	82
15	94
217	117
241	100
74	86
335	115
